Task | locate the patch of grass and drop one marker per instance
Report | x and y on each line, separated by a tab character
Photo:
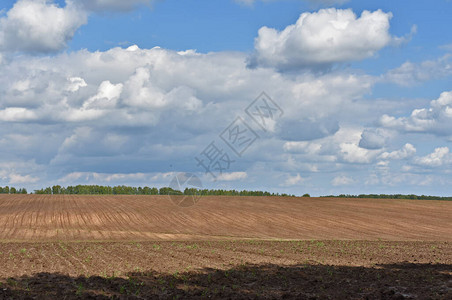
122	289
161	281
10	281
320	244
80	289
62	246
194	246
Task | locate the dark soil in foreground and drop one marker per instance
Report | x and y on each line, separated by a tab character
226	269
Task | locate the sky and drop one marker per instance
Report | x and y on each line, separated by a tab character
290	96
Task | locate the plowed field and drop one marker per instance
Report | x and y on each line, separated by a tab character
68	217
145	247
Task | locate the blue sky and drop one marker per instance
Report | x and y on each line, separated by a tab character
113	92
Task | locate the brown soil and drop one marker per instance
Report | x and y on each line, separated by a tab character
227	269
141	247
70	217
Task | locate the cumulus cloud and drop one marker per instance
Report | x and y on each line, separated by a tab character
146	109
112	116
20	172
436	119
323	38
440	157
19	179
407	151
42	26
304	147
106	97
409	74
114	178
342	180
39	26
17	114
330	151
74	84
232	176
352	153
372	139
294	180
141	87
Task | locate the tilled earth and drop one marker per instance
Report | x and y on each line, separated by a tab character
43	218
226	269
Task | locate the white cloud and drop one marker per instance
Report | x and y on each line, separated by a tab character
17	114
304	147
373	139
71	177
395	179
436	119
294	180
119	177
146	86
75	83
342	180
439	157
147	109
409	74
232	176
20	172
42	26
332	151
19	179
123	112
75	177
106	97
39	26
352	153
407	151
323	38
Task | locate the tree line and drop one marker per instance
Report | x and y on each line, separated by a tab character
12	190
97	190
128	190
390	196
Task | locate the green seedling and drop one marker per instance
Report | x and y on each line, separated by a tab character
80	289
